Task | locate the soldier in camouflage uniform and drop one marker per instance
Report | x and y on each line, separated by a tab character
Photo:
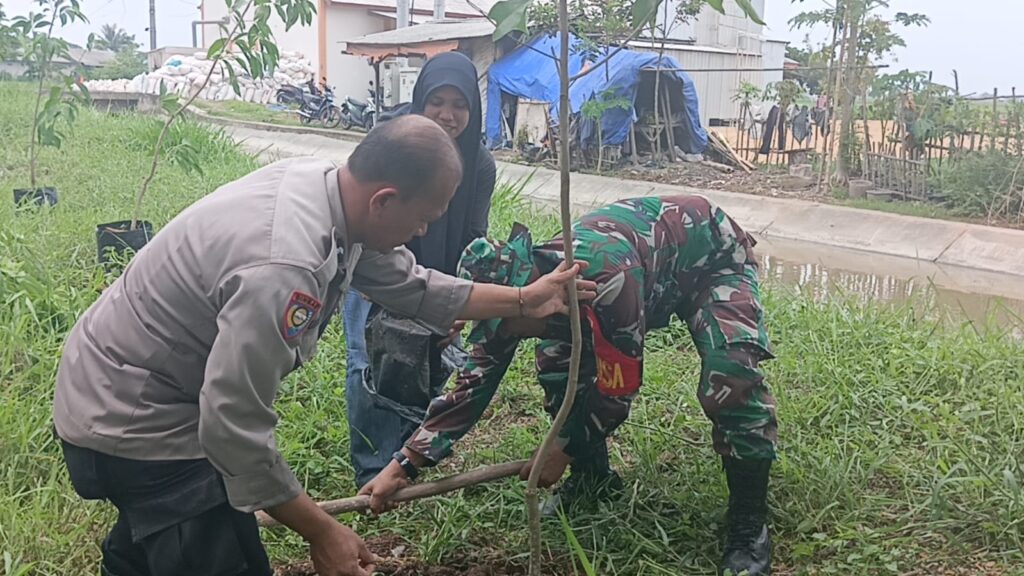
651	258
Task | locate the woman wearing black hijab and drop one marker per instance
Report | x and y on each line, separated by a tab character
447	92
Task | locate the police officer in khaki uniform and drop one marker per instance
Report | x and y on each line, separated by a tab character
165	388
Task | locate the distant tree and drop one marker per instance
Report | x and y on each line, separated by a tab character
116	39
127	63
863	37
814	63
9	41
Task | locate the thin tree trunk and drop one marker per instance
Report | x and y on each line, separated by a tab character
532	503
846	132
865	168
137	211
825	177
43	70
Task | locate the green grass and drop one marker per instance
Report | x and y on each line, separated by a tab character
919	209
250	112
902	440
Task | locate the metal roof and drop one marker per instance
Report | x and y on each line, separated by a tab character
437	31
88	58
452	7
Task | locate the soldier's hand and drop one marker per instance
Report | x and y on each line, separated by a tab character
383	486
548	295
453	333
554	467
338	551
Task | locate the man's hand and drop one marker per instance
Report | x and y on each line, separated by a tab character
549	294
453	333
335	549
383	486
338	551
554	467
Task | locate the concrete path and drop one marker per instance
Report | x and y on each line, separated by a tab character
938	241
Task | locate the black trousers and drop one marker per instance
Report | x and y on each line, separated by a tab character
174	517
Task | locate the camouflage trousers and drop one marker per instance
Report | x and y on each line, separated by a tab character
726	322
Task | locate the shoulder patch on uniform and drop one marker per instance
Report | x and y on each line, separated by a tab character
618	374
299	314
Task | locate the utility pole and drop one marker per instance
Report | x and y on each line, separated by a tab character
152	24
438	9
403	14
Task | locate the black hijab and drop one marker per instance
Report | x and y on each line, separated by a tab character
445	239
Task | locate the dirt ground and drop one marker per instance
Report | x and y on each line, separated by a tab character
396	560
765	181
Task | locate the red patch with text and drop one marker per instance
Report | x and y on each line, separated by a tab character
618	374
299	314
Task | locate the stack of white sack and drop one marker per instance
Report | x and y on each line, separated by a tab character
184	75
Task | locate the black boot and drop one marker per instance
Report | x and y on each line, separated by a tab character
748	547
591	480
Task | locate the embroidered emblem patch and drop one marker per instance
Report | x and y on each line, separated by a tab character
299	314
618	374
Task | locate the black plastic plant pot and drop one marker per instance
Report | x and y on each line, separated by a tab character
45	196
113	240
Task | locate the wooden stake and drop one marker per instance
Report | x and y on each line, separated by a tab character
995	117
632	138
416	491
667	108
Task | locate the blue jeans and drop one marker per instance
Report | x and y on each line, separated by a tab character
374	433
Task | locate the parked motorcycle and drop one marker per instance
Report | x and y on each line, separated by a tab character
295	95
358	113
320	108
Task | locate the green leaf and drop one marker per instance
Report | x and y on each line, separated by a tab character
216	48
244	63
263	13
644	11
750	11
509	16
581	554
233	78
718	5
256	67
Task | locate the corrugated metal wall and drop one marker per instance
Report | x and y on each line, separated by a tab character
774	57
715	90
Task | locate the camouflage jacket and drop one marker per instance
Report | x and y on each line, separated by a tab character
649	257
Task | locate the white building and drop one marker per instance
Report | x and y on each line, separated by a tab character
336	22
719	52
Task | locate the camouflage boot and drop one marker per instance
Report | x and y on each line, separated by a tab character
747	543
591	480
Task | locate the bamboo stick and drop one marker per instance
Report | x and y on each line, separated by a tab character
416	491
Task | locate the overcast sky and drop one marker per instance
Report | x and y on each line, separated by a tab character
982	39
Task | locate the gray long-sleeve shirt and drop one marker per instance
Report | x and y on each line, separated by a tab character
182	356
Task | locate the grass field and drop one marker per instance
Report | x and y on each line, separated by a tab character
250	112
902	441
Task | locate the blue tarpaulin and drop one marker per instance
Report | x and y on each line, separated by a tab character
530	72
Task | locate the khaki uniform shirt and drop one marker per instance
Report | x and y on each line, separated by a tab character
182	356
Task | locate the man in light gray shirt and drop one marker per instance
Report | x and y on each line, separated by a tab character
165	388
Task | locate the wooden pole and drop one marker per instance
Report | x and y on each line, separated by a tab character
995	117
667	107
416	491
632	138
866	168
1016	121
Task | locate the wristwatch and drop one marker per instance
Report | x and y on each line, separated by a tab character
411	472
